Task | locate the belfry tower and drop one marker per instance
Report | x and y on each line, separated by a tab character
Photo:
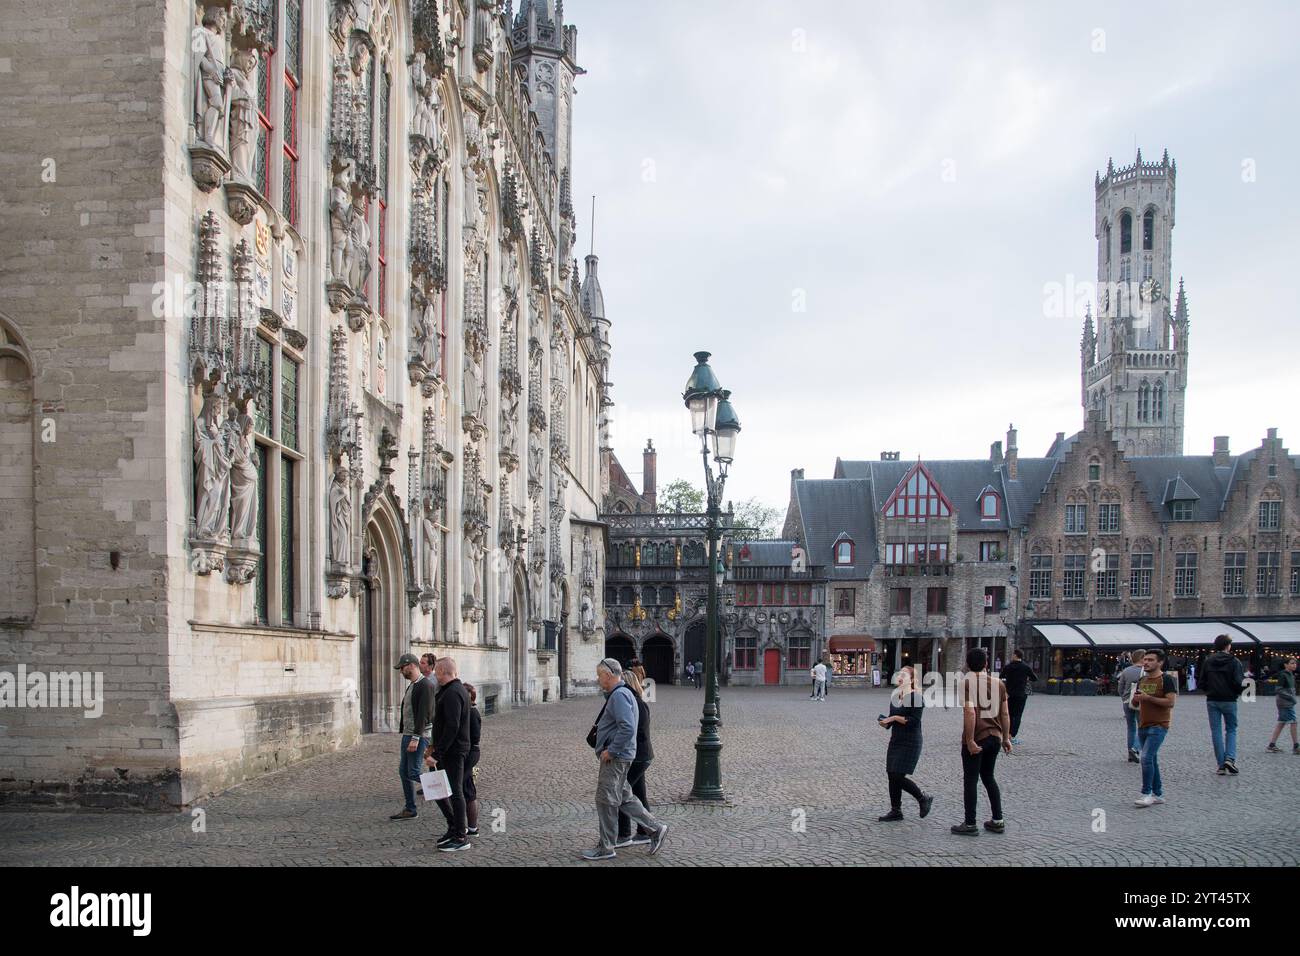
1134	361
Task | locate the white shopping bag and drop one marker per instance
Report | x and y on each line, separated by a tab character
435	785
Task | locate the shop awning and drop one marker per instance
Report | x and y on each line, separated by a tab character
1270	632
852	643
1195	633
1062	635
1125	634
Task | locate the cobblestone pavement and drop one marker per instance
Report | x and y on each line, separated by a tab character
786	759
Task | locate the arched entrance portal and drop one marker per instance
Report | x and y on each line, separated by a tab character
694	645
657	656
383	623
620	648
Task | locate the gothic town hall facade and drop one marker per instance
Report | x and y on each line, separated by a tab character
298	373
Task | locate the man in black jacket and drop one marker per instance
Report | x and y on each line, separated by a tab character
1017	676
450	748
417	716
1222	679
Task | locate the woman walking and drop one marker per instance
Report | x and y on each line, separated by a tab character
904	726
986	729
471	762
636	773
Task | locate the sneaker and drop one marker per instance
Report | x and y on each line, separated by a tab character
966	829
455	846
1157	800
446	838
657	841
1222	771
598	853
1134	757
472	831
622	842
1146	800
894	814
1015	741
1273	749
404	815
1232	766
927	802
995	826
1295	748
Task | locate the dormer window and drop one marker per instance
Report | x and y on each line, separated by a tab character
990	505
844	551
1182	510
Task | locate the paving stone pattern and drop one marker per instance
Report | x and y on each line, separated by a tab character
785	759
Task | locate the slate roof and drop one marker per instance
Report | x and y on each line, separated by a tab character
765	554
829	507
618	477
1183	477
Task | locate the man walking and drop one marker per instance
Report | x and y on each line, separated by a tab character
427	662
1285	707
1156	694
451	745
1017	676
819	682
1223	679
616	746
699	674
417	715
1128	679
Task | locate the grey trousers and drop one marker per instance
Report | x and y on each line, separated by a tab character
613	793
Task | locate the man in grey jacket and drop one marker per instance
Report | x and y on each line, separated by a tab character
616	747
1127	678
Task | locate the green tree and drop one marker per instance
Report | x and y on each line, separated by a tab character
680	495
752	513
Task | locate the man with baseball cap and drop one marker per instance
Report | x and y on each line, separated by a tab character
416	728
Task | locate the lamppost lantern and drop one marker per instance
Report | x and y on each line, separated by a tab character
701	395
726	428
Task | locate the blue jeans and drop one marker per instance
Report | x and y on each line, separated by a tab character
1223	713
1131	719
1149	740
410	768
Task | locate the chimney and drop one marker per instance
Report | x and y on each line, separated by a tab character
1272	437
1013	453
649	487
1222	457
995	453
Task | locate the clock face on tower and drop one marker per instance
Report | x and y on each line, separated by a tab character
1150	290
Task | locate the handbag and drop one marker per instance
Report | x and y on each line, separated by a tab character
435	785
591	734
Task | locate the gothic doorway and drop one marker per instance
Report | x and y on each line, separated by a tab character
657	657
620	648
384	619
519	638
694	645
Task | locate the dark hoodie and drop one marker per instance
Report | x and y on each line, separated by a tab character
1222	677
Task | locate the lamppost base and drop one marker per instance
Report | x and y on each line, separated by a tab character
708	768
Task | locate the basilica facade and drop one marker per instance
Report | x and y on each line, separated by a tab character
299	374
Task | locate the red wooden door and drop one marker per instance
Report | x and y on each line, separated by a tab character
771	666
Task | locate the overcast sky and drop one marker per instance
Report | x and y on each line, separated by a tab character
914	175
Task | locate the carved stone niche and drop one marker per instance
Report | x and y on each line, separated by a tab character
208	166
242	201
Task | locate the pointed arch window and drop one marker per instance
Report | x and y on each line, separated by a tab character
1144	402
917	498
1125	234
1106	240
844	551
1158	402
990	505
1148	230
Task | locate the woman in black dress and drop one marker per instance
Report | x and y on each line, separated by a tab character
904	725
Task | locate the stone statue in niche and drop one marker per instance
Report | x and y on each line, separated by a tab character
510	275
472	395
425	330
509	414
534	459
243	111
358	252
588	613
340	220
473	571
430	544
210	91
588	557
363	371
340	501
212	462
243	476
